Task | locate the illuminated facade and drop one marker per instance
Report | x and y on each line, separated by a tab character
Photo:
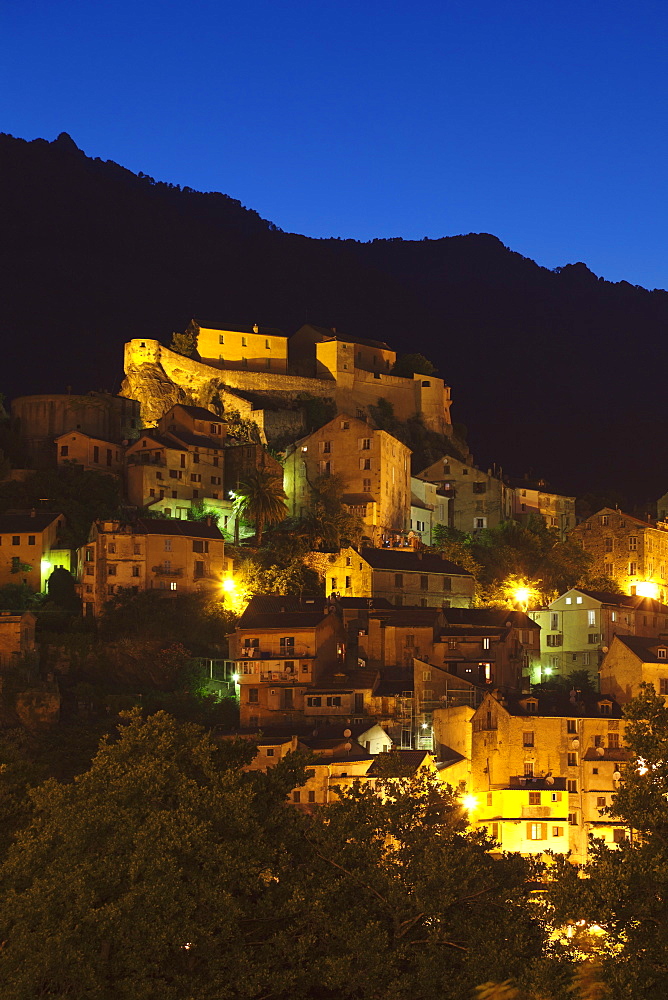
476	499
29	549
631	551
631	661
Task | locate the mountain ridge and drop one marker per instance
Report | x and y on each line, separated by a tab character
541	362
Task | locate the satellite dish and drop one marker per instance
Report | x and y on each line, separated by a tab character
600	751
347	732
616	775
575	742
549	780
604	649
347	746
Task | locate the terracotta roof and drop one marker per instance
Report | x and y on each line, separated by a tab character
420	562
633	601
190	440
558	704
19	522
199	413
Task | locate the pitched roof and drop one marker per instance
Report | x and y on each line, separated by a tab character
625	600
327	333
410	760
176	526
417	501
261	330
406	617
420	562
645	648
489	616
356	499
615	754
352	680
276	611
558	704
473	630
19	522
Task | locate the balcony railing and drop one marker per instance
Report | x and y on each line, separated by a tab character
536	812
167	570
269	651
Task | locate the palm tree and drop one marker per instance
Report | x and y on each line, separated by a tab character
260	498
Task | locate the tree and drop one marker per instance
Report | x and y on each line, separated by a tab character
328	524
150	877
260	497
61	590
625	889
185	343
408	365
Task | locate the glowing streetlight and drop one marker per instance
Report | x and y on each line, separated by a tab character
521	595
469	802
647	589
229	586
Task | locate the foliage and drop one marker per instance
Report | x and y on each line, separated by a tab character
167	871
318	411
426	445
328	524
80	495
260	497
261	575
530	551
185	343
61	590
197	620
625	890
19	597
408	365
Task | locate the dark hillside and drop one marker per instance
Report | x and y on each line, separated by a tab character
559	372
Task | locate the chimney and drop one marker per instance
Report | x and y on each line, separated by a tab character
256	328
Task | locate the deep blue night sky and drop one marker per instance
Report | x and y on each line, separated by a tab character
543	123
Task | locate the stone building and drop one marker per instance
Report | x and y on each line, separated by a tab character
374	466
182	459
533	498
90	453
17	637
171	556
630	551
578	628
29	547
401	576
283	647
544	768
631	661
252	348
41	419
476	499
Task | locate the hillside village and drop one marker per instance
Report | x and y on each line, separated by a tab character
344	460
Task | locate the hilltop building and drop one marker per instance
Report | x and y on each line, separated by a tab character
476	499
401	576
631	661
30	547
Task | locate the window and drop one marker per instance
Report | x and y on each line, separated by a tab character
572	819
604	520
554	640
327	447
528	769
608	544
534	798
536	831
598	740
311	796
591	618
64	449
593	638
578	600
168	545
613	741
111	570
366	485
365	464
490	798
296	796
334	581
527	739
633	543
221	338
663	685
31	539
572	760
557	831
618	835
267	345
199	569
348	582
314	701
244	342
632	569
366	444
571	726
398	579
452	644
486	643
600	802
253	696
569	600
572	786
479	487
424	583
554	621
661	653
287	642
334	701
479	522
110	588
173	585
200	545
16	539
135	570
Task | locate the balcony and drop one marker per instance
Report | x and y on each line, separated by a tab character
163	570
536	812
271	651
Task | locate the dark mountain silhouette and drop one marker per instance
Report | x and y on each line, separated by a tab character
555	372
